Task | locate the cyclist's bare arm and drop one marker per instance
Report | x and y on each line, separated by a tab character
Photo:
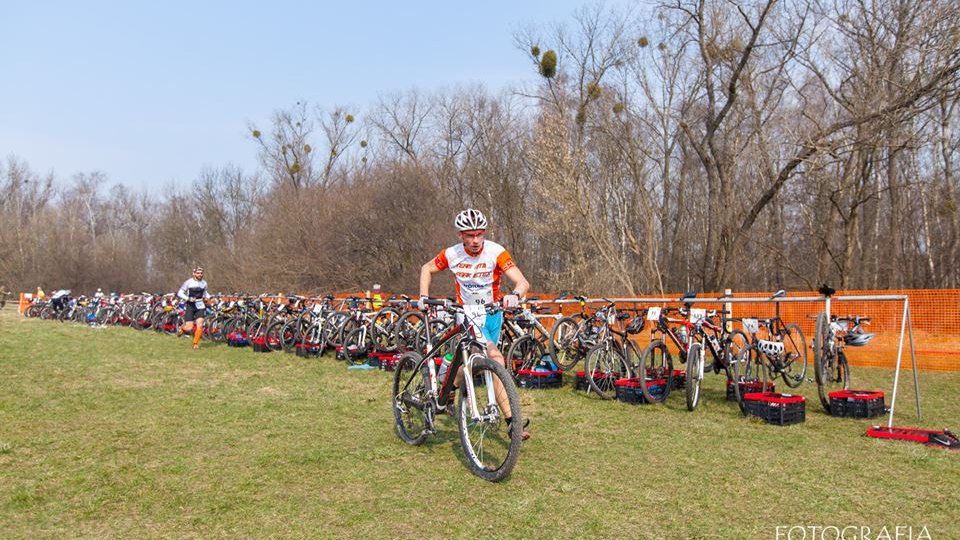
426	276
520	283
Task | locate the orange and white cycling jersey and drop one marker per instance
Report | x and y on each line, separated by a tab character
477	276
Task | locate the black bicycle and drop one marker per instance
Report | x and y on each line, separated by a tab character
487	398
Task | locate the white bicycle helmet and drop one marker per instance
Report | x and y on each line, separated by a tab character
858	339
773	349
470	220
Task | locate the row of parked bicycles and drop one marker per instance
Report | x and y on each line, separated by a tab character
684	342
750	351
427	345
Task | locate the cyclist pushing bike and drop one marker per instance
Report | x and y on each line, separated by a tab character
477	265
194	294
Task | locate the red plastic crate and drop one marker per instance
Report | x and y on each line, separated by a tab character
856	403
629	391
260	345
305	350
775	408
581	383
388	361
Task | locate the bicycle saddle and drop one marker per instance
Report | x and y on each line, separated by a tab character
826	290
779	294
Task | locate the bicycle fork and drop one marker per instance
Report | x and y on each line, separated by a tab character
471	390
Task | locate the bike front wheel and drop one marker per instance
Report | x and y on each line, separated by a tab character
695	363
491	445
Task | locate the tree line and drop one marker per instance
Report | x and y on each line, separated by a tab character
690	144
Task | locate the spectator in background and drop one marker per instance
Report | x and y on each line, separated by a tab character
377	297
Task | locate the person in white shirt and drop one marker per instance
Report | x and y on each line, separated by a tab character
59	299
477	265
194	293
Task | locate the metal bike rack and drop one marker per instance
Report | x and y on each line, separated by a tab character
905	325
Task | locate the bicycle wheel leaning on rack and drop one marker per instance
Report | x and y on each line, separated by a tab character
748	367
830	367
656	363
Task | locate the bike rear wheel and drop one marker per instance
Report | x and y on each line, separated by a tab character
492	447
656	363
747	368
564	346
382	330
832	373
406	329
274	335
524	353
735	342
313	337
794	356
605	366
411	399
356	346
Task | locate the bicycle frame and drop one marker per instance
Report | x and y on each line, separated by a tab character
663	328
462	358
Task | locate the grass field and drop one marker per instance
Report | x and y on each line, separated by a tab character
111	433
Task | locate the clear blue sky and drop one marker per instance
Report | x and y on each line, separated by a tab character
150	92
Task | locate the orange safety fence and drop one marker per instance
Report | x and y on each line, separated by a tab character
934	317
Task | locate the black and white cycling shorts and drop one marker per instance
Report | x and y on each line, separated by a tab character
192	312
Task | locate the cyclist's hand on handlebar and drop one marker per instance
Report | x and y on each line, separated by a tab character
510	301
422	303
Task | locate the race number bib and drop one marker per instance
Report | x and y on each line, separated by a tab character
475	314
751	326
653	314
697	313
198	304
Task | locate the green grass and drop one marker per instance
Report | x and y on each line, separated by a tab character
109	433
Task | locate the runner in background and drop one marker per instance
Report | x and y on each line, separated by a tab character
194	293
